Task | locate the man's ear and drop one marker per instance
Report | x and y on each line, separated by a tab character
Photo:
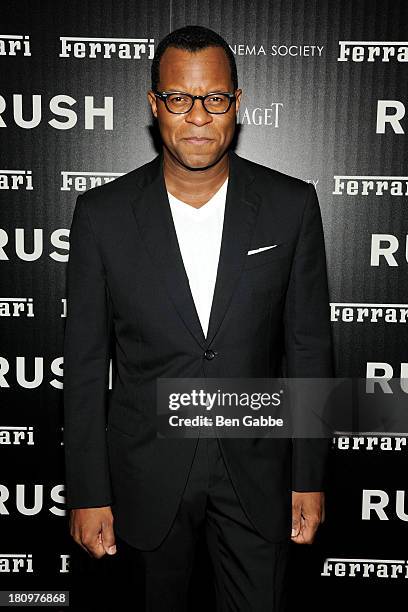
238	94
153	102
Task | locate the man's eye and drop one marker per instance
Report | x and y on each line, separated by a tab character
178	99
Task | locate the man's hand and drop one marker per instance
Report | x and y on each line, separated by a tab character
92	529
307	514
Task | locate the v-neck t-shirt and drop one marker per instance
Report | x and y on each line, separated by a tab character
199	234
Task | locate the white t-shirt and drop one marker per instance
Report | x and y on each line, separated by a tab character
199	233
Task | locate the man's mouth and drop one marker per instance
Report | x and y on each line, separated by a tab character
196	140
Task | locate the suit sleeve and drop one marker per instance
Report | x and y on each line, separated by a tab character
86	368
308	341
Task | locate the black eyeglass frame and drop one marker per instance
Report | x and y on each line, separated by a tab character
163	95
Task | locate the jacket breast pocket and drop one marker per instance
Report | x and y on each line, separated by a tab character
268	256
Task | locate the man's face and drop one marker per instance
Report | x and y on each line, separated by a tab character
199	73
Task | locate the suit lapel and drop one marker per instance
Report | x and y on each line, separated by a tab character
241	209
154	219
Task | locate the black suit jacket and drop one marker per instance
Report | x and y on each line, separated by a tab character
129	300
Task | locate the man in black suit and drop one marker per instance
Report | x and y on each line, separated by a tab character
131	277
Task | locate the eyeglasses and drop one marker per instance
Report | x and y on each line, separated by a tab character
179	102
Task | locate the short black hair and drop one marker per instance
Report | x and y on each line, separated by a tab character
191	38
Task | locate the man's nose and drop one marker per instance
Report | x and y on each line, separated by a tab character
198	115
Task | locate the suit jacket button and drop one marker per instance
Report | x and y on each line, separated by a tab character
209	354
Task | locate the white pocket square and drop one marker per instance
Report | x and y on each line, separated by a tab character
265	248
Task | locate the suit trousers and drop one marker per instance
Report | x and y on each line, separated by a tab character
250	573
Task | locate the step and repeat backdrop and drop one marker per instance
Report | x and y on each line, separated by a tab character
325	91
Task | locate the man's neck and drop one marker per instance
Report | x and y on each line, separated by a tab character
194	187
